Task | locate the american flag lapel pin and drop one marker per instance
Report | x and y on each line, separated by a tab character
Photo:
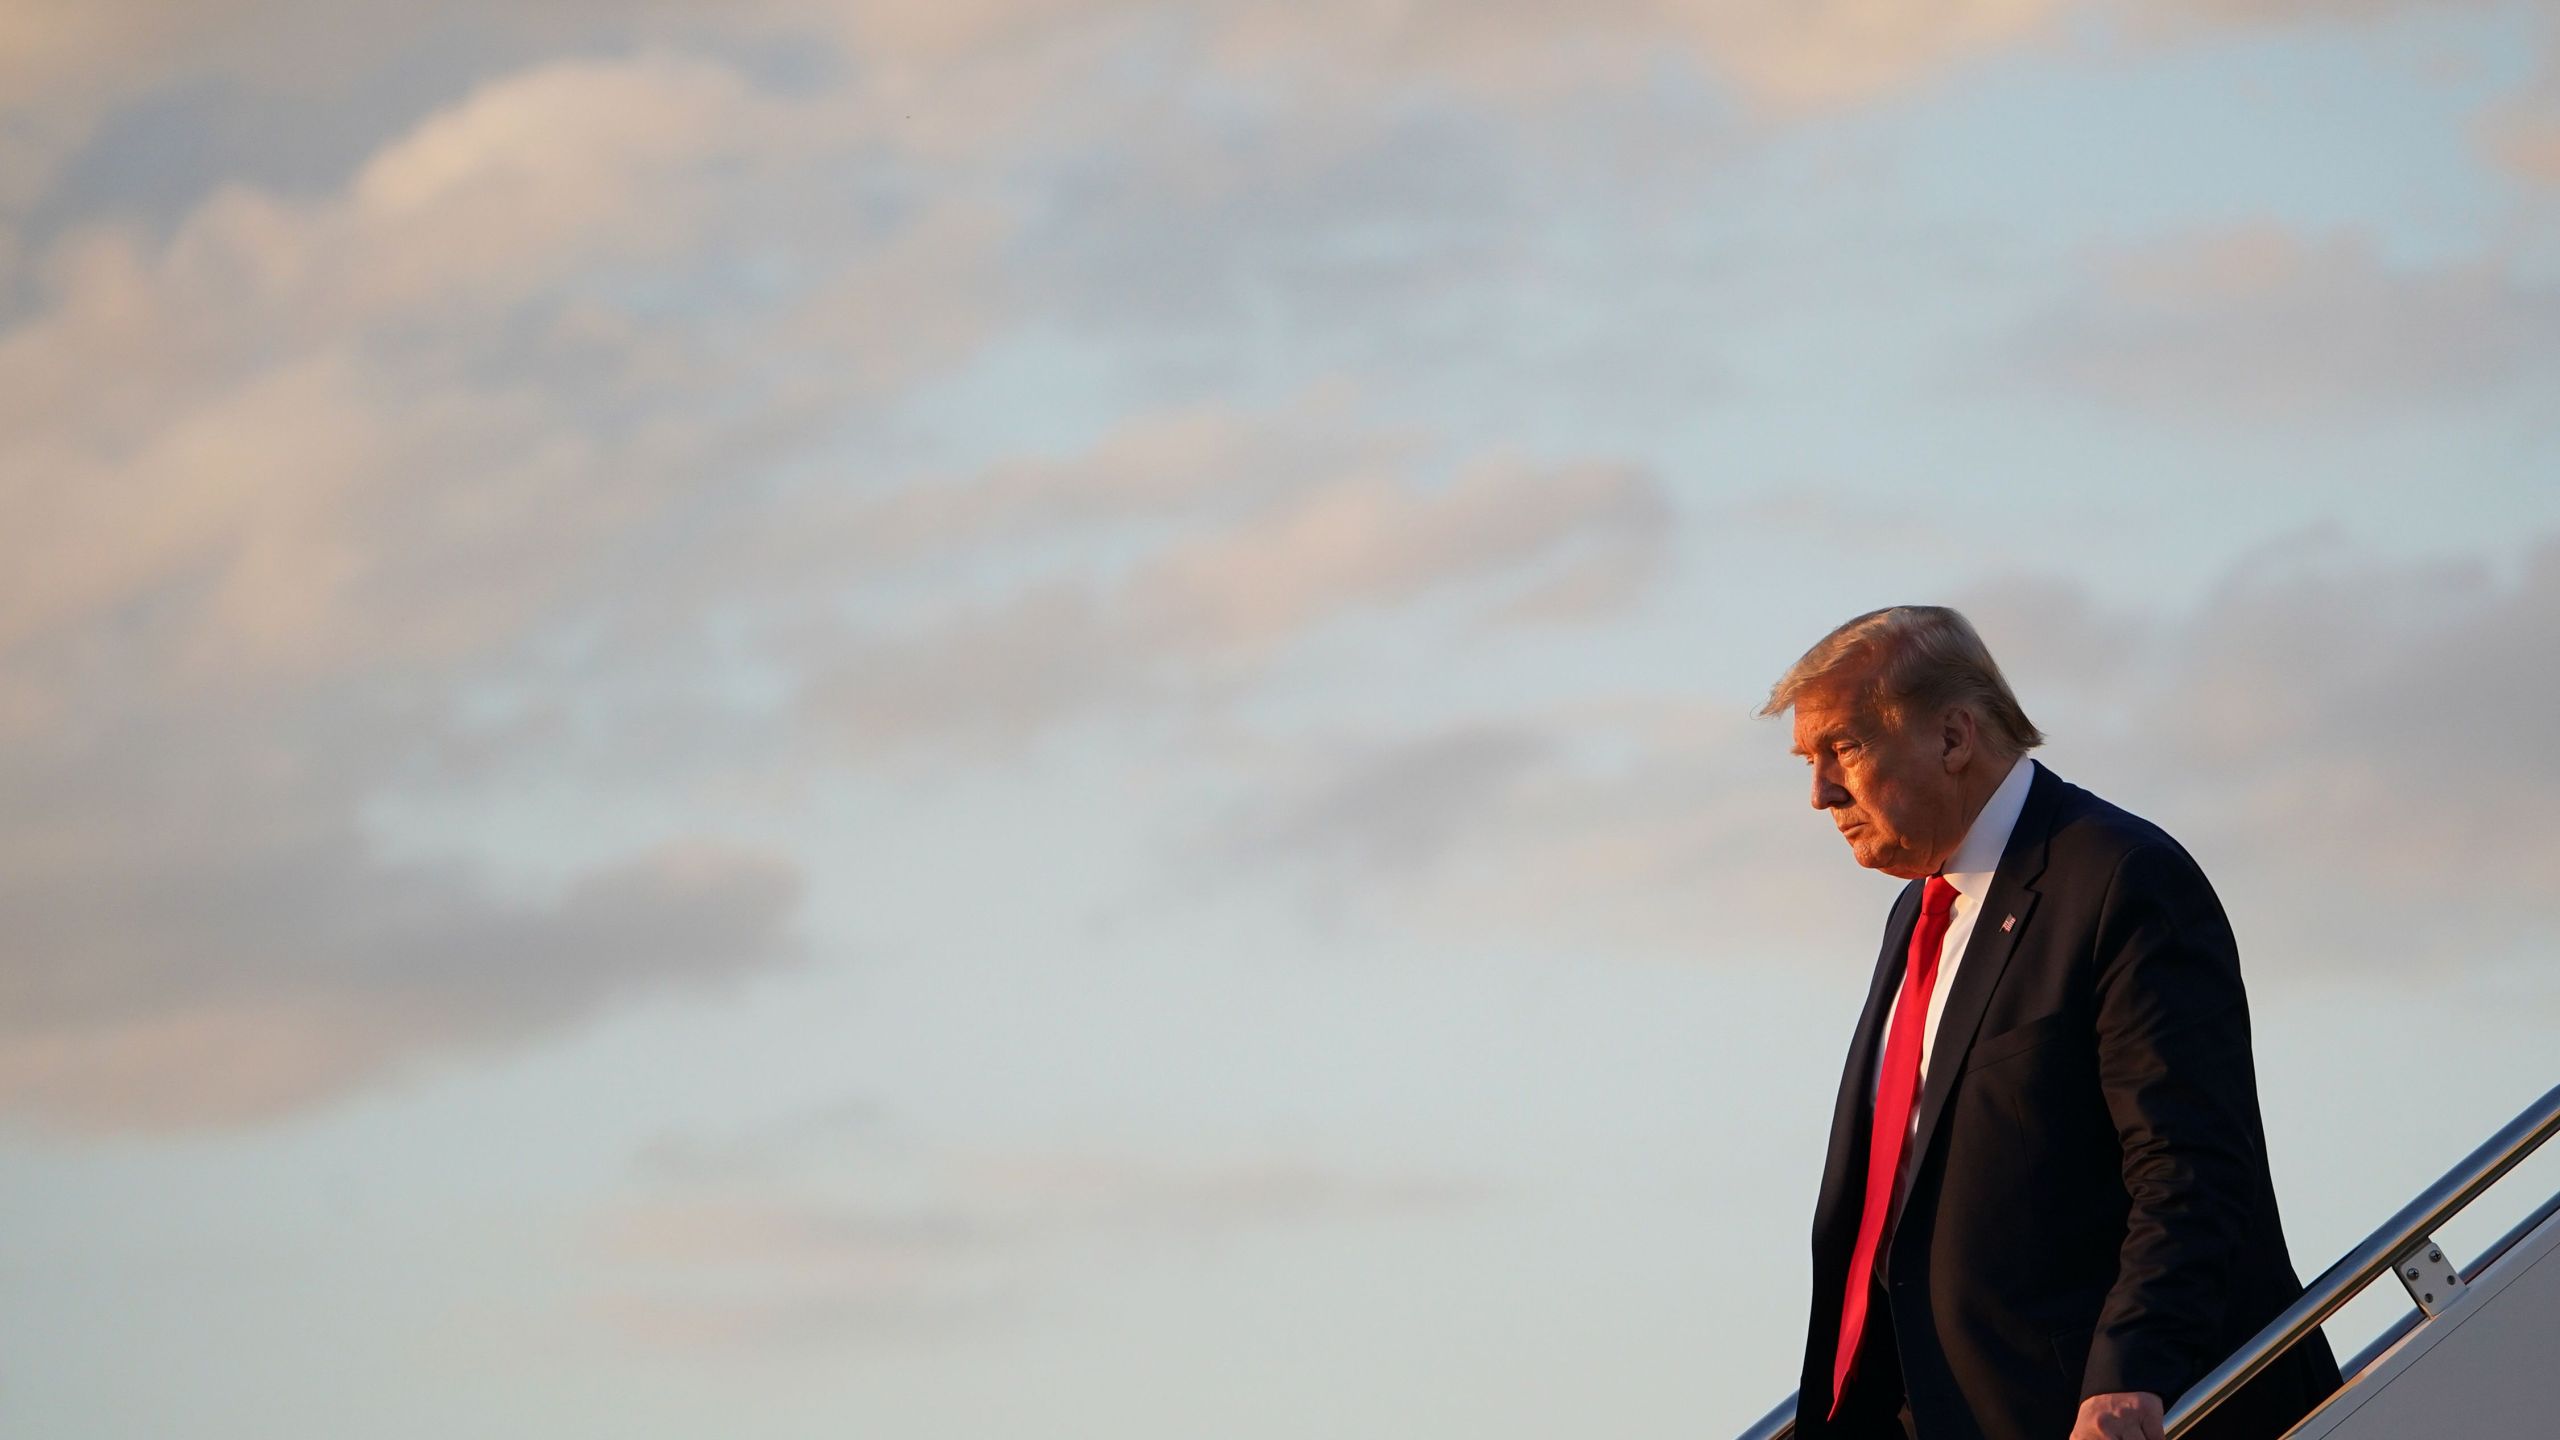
2009	924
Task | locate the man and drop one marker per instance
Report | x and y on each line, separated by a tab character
2046	1210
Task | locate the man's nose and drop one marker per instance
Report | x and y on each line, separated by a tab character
1828	794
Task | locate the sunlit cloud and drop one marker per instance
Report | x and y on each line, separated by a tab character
1206	609
2332	727
2326	730
1217	555
160	991
293	478
830	1234
2265	324
2522	133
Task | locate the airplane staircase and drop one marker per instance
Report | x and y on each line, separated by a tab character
2478	1355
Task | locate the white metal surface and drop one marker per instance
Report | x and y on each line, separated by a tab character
2483	1366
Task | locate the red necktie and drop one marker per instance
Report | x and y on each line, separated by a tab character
1896	1092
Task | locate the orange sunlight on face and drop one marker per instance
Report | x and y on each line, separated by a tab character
1888	790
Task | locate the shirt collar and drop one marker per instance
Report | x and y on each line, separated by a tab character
1978	857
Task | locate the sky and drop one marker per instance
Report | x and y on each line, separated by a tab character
978	720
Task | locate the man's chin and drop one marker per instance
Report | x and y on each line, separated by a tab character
1889	862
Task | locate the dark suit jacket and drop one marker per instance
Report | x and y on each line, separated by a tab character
2089	1206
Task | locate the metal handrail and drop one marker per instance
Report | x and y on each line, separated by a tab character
1778	1424
2364	1264
2343	1281
2398	1330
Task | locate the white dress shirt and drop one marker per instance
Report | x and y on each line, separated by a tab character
1970	870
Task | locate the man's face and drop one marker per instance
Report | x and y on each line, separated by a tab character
1893	793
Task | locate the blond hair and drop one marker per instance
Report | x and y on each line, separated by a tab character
1919	660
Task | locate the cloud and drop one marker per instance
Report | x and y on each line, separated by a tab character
222	989
1824	50
1393	809
563	423
2333	734
2264	324
256	407
2330	731
989	83
763	1153
70	73
1374	541
2280	12
515	450
866	1235
507	234
302	483
1640	824
1776	56
730	1275
1840	51
203	933
1235	556
1199	616
985	85
2523	134
1150	471
2340	726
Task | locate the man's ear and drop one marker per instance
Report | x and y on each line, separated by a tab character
1957	737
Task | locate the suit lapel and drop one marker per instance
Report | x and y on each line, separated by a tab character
1987	951
1844	1171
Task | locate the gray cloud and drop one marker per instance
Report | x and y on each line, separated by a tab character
832	1234
2260	324
330	496
457	455
1393	809
287	978
1382	234
2523	133
2339	736
202	936
760	1153
1169	566
1242	564
1645	825
2346	743
302	485
1785	54
280	92
2180	14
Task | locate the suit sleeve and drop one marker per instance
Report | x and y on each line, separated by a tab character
2172	1028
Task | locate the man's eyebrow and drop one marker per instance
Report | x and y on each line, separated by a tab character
1823	739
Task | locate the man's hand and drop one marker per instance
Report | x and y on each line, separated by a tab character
2133	1415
